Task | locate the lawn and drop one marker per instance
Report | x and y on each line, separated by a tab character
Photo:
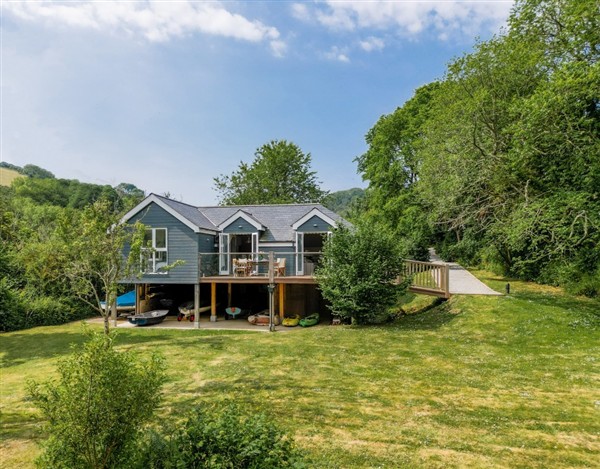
509	381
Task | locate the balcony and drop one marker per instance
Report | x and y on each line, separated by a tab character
261	267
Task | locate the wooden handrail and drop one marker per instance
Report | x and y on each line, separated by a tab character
428	277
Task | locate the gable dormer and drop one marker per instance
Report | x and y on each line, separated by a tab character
314	221
241	222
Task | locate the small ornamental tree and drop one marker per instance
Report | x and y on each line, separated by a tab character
359	272
96	409
95	261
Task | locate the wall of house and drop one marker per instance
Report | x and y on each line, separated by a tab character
309	226
182	244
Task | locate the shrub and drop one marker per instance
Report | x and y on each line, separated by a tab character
358	273
98	405
46	311
12	309
221	437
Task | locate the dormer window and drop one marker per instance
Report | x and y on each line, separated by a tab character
155	253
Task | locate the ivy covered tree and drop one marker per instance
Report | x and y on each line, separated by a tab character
280	174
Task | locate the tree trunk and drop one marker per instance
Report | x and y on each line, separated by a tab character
106	325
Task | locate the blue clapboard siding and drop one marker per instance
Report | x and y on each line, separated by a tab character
206	243
309	225
182	243
240	226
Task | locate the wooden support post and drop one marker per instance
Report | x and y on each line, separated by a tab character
137	300
271	289
271	267
197	305
447	280
281	300
213	302
229	295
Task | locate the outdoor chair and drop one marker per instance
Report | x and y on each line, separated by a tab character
241	267
280	267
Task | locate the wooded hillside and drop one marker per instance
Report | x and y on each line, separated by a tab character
498	162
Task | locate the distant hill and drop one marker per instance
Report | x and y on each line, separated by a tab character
41	186
341	201
7	176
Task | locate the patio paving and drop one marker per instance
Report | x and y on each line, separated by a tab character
171	322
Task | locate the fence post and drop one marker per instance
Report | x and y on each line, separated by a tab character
447	280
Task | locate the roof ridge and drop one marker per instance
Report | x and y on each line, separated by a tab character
173	200
262	205
206	216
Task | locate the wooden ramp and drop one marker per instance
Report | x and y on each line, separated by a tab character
428	278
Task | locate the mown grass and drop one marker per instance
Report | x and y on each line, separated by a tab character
508	381
7	176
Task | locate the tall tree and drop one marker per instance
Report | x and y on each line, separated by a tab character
392	166
280	174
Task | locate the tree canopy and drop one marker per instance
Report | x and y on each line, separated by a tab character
499	162
280	174
58	258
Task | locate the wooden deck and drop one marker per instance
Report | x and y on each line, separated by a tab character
260	279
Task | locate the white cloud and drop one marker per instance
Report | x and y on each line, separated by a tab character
337	54
412	17
156	21
372	43
278	48
300	12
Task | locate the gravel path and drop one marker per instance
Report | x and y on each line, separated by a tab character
463	282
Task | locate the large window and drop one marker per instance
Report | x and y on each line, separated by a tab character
155	254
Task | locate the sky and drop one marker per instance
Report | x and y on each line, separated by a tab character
168	95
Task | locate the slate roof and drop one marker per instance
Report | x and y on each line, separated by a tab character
277	219
190	212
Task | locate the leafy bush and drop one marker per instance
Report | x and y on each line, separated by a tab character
12	309
46	311
22	310
358	273
98	405
220	437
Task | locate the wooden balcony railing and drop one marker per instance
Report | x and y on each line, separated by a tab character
426	277
211	264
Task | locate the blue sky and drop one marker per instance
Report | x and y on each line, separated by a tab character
169	94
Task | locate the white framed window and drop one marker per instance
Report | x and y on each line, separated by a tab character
155	254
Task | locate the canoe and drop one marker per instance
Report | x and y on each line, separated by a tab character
186	310
262	319
149	318
309	320
291	321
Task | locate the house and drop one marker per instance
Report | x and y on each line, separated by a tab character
226	254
